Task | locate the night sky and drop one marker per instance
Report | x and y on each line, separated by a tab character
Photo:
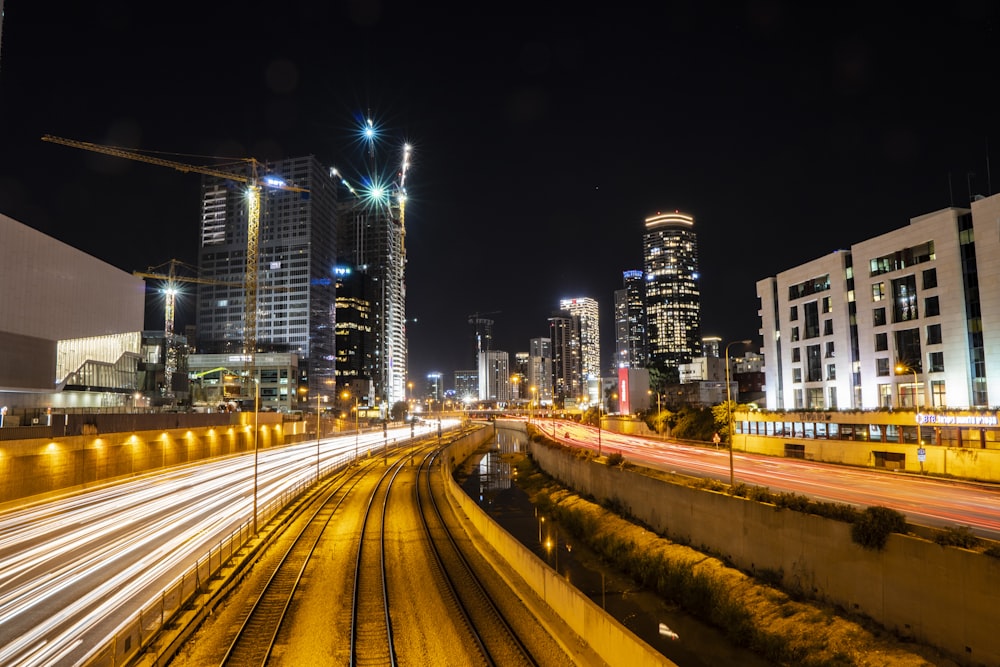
543	135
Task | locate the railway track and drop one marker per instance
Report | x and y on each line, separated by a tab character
491	634
369	572
254	641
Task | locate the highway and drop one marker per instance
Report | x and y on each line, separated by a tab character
75	569
924	500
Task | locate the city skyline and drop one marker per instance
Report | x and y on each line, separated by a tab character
542	138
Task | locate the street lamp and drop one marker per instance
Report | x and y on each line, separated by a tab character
319	397
346	395
256	410
534	397
729	408
600	402
903	368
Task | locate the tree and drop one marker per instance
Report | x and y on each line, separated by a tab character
694	423
398	412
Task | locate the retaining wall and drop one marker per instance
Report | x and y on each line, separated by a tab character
940	596
46	465
615	643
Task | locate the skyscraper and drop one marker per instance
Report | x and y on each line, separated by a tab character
371	239
295	259
540	370
494	376
587	311
355	328
673	298
630	322
564	334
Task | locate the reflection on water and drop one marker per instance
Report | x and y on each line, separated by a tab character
687	642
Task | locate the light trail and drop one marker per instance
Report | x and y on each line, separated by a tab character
923	500
77	569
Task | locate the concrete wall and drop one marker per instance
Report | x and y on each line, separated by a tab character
940	596
47	465
615	643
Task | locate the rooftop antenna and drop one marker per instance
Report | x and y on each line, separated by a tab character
968	179
951	192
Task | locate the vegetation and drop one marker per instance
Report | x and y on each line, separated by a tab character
750	611
872	527
957	536
615	459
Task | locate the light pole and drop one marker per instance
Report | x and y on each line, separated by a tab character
319	397
531	408
903	368
729	408
600	403
346	395
256	409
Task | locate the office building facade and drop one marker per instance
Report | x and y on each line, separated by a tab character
494	376
673	296
295	259
631	343
540	370
567	373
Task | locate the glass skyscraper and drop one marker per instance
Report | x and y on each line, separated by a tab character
673	298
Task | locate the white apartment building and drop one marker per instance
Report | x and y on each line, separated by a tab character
907	318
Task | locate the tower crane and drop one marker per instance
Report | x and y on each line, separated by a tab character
169	298
254	182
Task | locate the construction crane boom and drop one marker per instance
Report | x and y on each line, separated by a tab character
254	182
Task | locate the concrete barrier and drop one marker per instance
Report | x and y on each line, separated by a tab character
940	596
611	640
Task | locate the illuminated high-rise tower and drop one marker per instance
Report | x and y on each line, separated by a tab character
590	335
564	335
630	322
673	297
371	238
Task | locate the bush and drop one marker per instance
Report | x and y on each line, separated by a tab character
761	494
957	536
872	527
615	459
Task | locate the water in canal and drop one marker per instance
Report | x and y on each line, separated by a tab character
642	612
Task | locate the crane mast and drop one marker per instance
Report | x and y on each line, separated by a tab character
254	185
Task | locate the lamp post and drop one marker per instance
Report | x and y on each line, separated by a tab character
729	408
319	428
357	430
600	403
256	409
903	368
534	397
